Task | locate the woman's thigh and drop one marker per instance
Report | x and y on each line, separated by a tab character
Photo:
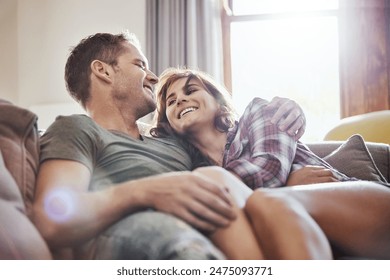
355	216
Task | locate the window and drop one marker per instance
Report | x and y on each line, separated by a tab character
285	48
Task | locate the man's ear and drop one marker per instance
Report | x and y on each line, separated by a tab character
101	70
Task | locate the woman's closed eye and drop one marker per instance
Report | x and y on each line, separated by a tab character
171	101
190	90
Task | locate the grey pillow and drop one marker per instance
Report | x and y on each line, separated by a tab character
354	160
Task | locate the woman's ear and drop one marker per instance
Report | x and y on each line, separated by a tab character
101	70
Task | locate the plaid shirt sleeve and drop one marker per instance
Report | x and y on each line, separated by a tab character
260	154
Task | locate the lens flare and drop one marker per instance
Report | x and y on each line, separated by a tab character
59	204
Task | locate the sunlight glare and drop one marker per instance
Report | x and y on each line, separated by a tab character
295	58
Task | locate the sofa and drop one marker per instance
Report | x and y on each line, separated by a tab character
373	126
19	163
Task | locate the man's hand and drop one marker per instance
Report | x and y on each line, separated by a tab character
289	116
311	174
196	199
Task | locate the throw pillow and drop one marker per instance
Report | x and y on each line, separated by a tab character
354	160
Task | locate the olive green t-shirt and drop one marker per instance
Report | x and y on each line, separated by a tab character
112	157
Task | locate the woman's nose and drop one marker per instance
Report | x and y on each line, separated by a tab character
181	98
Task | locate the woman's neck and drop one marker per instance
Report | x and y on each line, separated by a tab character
211	144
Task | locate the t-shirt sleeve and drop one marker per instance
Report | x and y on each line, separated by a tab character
70	138
270	152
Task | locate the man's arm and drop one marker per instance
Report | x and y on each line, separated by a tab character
289	116
67	214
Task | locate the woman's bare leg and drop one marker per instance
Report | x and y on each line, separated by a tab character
285	228
237	241
355	216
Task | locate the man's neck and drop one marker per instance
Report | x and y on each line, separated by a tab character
114	120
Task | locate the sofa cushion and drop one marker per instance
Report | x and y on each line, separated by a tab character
354	160
19	239
9	190
19	145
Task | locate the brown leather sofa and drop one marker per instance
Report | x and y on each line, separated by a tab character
19	162
19	157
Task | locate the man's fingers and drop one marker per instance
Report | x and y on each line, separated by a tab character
297	127
210	186
275	102
206	213
300	132
196	222
283	109
217	207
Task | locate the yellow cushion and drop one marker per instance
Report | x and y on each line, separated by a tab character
374	127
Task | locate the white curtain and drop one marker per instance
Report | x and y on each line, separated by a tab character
185	33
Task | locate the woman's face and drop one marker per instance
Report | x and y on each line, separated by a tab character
189	106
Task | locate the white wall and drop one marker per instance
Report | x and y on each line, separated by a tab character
35	39
8	51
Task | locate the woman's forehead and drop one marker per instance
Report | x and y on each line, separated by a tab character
185	81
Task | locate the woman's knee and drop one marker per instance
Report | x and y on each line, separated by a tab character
267	204
215	172
237	189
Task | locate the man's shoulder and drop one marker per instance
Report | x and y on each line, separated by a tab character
76	118
66	126
76	121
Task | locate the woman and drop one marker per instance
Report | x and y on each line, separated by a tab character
195	108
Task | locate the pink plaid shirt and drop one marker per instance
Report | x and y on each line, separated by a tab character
262	155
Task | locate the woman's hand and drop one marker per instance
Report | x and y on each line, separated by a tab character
289	116
310	174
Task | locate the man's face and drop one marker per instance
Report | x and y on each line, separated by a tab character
133	85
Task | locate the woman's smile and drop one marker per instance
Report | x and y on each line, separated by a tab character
186	111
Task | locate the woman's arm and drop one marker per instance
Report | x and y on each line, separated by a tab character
262	154
311	174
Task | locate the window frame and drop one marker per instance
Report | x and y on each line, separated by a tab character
364	51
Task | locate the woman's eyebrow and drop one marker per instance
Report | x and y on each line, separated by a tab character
190	85
184	88
170	95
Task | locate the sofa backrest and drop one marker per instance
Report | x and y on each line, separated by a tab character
19	147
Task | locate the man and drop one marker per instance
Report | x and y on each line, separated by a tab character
100	178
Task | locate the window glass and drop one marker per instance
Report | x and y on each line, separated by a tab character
295	58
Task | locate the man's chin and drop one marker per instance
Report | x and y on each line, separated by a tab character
150	108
